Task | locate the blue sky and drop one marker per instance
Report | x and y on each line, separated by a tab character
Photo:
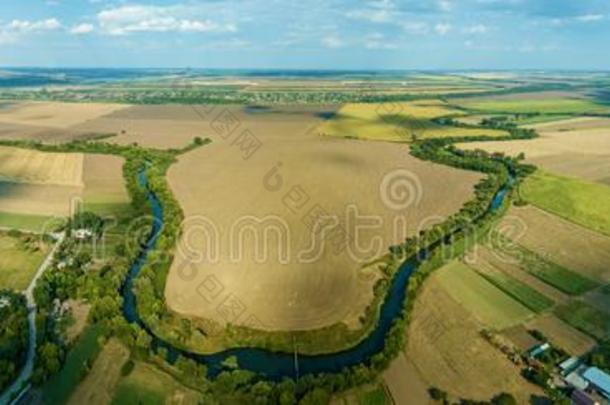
324	34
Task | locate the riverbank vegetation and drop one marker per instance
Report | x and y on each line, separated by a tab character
13	336
81	269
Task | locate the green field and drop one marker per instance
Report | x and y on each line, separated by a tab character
519	291
34	223
107	209
549	272
375	397
20	258
60	386
487	302
585	318
150	386
579	201
551	105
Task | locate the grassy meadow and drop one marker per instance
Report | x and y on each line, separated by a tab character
483	299
586	318
20	258
579	201
58	389
542	105
98	386
148	385
26	222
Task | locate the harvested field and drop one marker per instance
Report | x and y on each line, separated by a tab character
575	147
79	312
572	246
52	122
289	288
99	385
448	351
47	184
33	167
490	305
578	201
397	122
404	383
577	125
167	126
19	260
520	337
55	115
562	335
105	190
34	199
543	102
39	183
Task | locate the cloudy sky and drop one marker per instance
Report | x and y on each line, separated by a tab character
335	34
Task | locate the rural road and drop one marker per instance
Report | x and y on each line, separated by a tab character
18	385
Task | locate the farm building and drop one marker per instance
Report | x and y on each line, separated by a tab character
538	350
575	380
582	398
569	365
82	234
598	380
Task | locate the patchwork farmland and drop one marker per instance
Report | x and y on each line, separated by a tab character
240	286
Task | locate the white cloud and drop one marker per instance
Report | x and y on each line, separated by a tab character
445	5
476	29
82	29
11	32
22	26
590	17
378	41
381	11
417	28
332	41
130	19
442	28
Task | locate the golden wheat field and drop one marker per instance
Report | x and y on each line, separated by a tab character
53	122
397	122
54	184
271	259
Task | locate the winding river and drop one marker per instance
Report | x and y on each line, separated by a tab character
275	365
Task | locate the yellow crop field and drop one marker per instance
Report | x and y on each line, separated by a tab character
397	122
33	167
